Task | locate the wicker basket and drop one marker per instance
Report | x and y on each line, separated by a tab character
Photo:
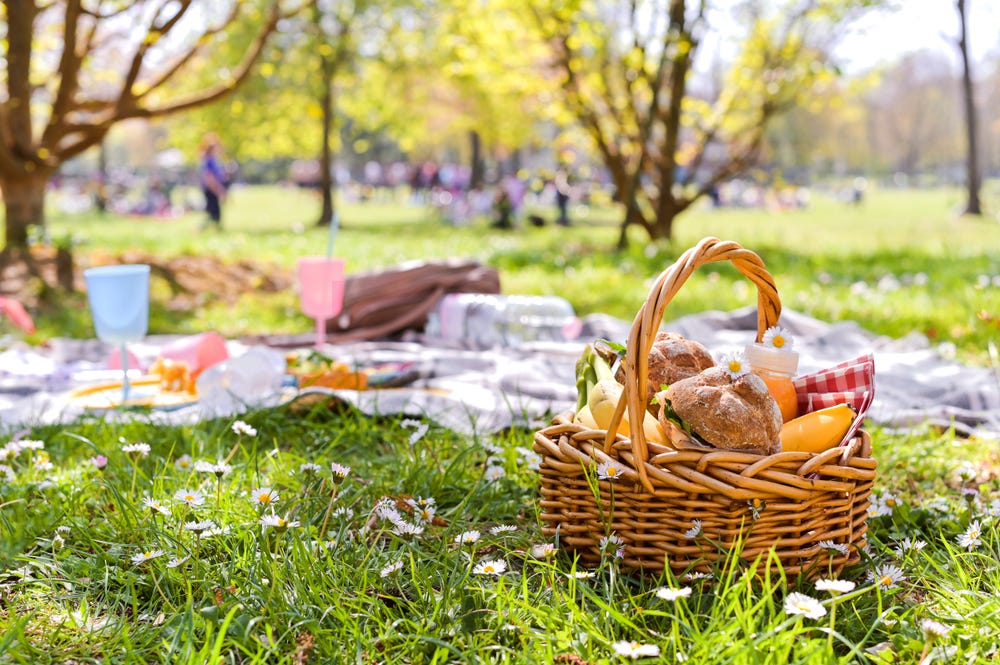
778	507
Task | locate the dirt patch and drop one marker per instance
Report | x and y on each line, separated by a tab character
192	280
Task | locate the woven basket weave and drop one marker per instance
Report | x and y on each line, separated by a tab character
779	507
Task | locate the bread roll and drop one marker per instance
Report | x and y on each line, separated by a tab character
672	358
726	412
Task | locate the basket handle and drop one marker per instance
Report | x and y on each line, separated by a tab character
650	316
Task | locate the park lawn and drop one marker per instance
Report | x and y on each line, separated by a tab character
900	262
118	553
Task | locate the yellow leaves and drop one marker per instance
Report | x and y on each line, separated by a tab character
314	110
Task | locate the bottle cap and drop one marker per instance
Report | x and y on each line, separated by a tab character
783	362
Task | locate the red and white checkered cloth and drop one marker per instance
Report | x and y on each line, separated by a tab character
852	382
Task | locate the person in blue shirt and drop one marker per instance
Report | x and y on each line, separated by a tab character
212	176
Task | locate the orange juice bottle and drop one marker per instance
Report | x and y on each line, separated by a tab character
776	368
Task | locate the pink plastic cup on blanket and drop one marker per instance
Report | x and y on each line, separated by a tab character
198	351
321	283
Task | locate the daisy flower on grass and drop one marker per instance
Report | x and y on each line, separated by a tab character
190	498
136	450
907	545
391	568
494	473
807	606
264	496
672	593
932	628
177	561
635	649
310	468
609	471
155	506
278	523
339	472
835	586
490	567
503	528
98	461
183	463
581	575
148	555
467	537
241	428
887	576
543	550
972	537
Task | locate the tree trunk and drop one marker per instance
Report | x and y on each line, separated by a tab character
973	177
326	157
24	203
477	172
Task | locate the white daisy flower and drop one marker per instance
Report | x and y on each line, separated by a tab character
887	576
492	448
409	423
972	538
264	496
490	567
503	528
155	505
807	606
493	473
404	528
183	463
933	628
832	547
908	545
467	537
777	337
543	550
581	575
635	649
7	472
148	555
697	575
136	450
614	540
177	561
673	593
835	586
695	529
609	471
735	364
279	523
339	472
531	460
309	468
343	513
425	514
191	498
240	428
418	433
391	568
198	527
30	444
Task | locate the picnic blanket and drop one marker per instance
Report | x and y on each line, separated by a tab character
481	391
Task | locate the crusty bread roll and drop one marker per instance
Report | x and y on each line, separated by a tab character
731	413
672	357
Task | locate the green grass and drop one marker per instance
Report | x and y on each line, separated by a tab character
342	585
899	263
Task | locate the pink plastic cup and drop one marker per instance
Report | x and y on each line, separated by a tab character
321	283
198	351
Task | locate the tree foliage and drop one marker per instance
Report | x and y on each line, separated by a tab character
73	69
626	71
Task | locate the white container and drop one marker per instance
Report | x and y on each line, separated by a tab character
486	320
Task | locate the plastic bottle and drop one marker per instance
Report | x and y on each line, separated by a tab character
488	320
776	368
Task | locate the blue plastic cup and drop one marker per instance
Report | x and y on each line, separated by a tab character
119	301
